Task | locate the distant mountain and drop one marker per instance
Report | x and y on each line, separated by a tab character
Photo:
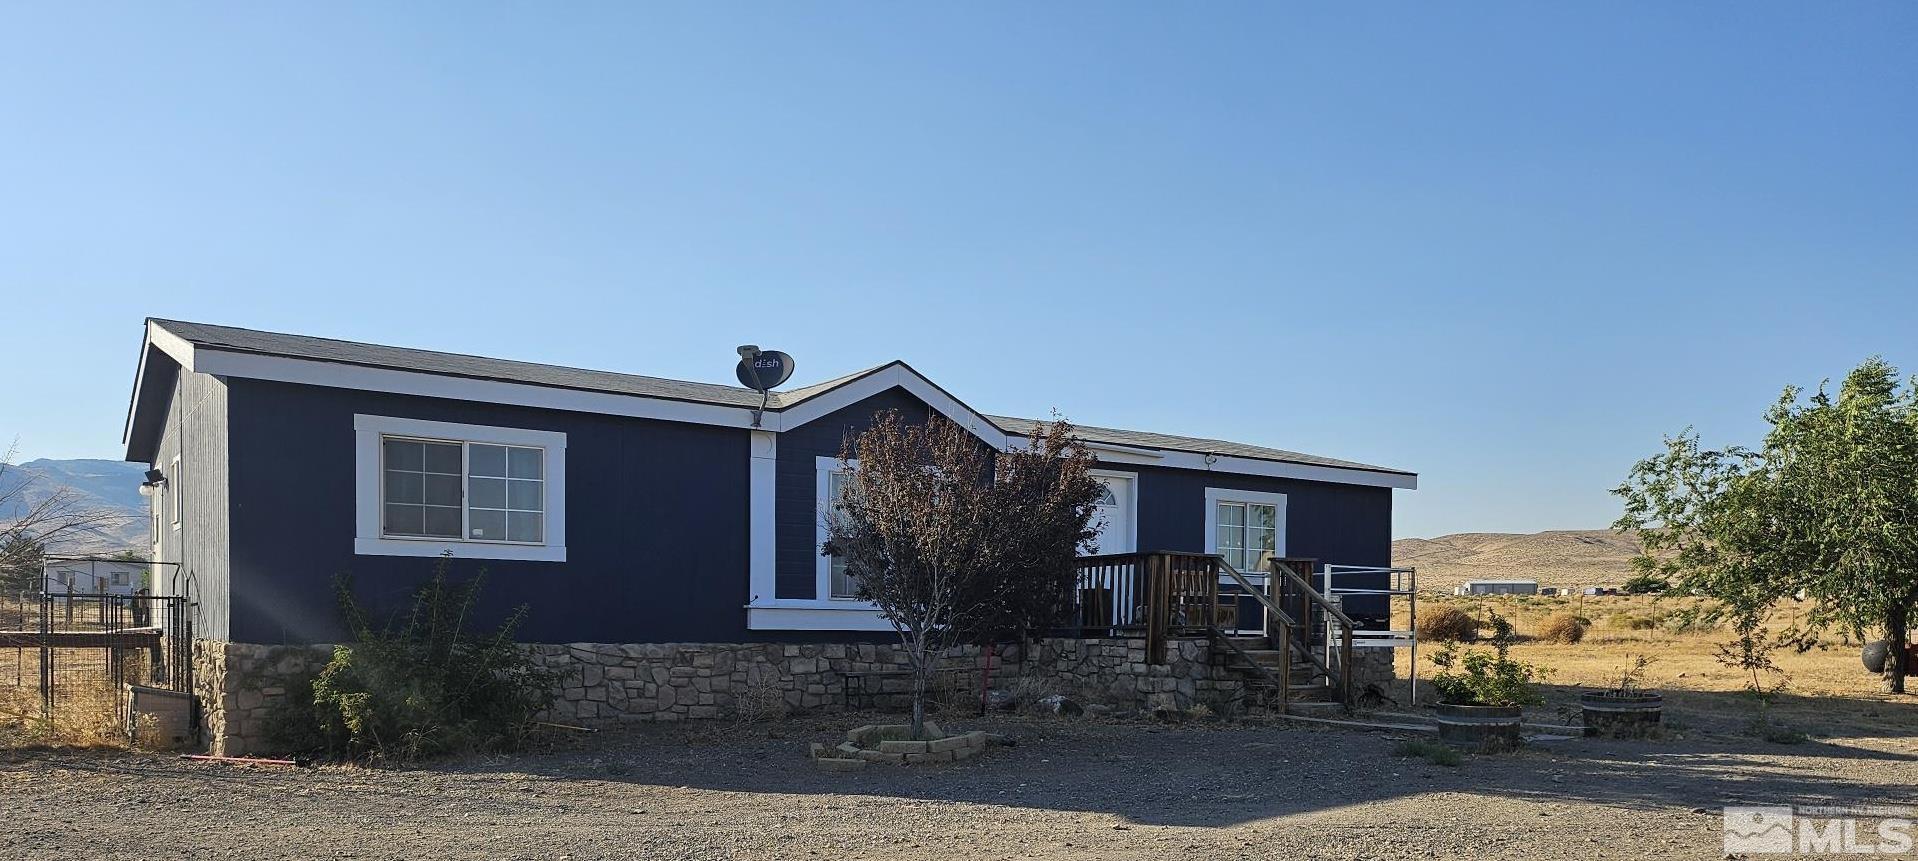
1560	558
105	484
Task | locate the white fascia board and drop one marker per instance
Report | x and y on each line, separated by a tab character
343	376
1280	469
173	345
898	376
133	404
176	348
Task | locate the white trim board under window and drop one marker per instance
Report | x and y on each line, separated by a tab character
530	510
1254	510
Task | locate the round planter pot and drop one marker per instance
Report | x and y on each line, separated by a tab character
1486	729
1633	715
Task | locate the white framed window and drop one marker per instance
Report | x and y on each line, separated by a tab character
461	490
835	582
423	488
1244	526
175	498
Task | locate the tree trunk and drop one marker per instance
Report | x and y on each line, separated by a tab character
1898	656
919	702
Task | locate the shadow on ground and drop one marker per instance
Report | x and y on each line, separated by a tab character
1220	775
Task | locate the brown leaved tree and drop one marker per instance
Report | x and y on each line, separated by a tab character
954	542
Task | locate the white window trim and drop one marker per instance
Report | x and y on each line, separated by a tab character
1216	495
173	484
820	612
823	468
367	538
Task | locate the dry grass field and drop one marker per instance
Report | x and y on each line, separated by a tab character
1827	691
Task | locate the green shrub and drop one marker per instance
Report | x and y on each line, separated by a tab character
1431	751
1646	584
1477	678
424	685
1563	628
1447	625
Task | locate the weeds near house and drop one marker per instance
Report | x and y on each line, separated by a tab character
83	716
426	685
760	700
1430	751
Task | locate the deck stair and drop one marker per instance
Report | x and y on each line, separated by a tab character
1262	667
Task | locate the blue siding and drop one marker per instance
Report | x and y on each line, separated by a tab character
656	519
656	522
1337	524
796	493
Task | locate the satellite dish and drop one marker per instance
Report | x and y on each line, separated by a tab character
763	371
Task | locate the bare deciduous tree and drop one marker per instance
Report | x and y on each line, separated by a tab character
32	524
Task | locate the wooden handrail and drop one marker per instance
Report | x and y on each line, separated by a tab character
1303	588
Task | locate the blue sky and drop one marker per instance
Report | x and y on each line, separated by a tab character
1505	245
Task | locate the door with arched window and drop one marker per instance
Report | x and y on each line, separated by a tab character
1116	517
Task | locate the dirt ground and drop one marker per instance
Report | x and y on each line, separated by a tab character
1069	789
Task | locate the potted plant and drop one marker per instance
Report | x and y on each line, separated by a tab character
1626	710
1482	694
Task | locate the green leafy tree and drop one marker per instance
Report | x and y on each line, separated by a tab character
1826	510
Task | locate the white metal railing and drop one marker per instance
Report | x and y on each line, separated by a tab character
1400	581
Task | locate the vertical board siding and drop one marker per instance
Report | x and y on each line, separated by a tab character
795	511
656	520
195	431
1338	524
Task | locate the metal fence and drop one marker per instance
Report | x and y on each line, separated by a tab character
72	657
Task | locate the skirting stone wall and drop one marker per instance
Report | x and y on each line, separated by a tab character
241	684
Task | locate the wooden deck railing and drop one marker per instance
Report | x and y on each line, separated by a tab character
1158	594
1164	595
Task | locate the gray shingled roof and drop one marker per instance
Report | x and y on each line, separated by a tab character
1143	439
479	367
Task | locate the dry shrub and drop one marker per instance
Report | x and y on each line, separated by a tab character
760	699
83	716
1563	628
1447	625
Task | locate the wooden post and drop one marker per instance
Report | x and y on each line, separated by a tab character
1285	664
1158	606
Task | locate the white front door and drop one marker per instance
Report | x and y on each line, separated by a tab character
1114	517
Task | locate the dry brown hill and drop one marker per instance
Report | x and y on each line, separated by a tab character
1562	558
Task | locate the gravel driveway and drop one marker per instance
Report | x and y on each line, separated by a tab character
1068	790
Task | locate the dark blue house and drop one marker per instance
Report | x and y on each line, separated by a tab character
621	508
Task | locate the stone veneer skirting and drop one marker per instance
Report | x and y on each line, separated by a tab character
600	684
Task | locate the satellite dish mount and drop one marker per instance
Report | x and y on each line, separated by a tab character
762	371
